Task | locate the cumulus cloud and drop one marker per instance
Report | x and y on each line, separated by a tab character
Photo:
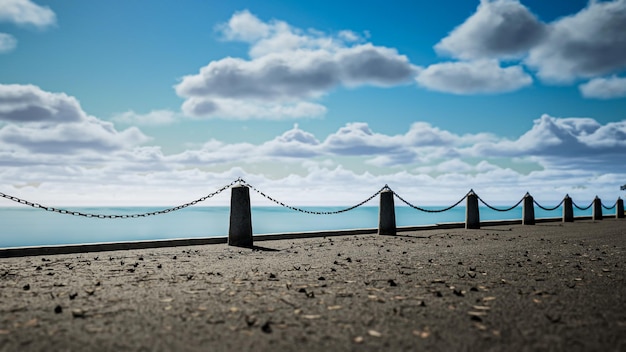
26	12
498	29
29	103
288	68
154	117
54	123
7	43
566	143
586	44
474	77
71	138
604	88
92	160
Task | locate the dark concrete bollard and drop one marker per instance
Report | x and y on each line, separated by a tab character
619	213
387	214
240	230
597	209
472	216
528	211
568	209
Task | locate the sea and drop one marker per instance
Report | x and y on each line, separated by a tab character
25	226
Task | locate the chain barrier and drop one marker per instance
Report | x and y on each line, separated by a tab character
497	209
549	209
241	182
429	210
125	216
311	211
609	208
579	208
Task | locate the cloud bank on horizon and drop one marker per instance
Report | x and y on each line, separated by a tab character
52	150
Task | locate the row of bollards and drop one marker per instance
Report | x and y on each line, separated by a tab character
240	230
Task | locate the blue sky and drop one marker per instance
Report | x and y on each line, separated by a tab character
156	102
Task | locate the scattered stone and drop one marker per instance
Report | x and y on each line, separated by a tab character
26	287
78	313
424	334
374	333
392	283
250	320
58	309
73	295
266	328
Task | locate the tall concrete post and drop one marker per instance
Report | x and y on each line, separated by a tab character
619	212
240	230
528	211
597	209
568	209
386	214
472	216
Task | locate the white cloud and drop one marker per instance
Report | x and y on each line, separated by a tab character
154	117
498	29
475	77
586	44
41	122
25	12
95	164
28	103
604	88
245	110
244	26
288	69
8	43
71	138
566	143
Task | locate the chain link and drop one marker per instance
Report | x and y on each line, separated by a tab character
429	210
125	216
579	208
609	208
548	209
497	209
311	211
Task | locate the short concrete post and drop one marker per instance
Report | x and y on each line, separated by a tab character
240	231
597	209
619	213
568	209
472	216
528	211
387	214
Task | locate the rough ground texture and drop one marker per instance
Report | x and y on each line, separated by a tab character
548	287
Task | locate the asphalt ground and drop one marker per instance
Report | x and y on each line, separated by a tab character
547	287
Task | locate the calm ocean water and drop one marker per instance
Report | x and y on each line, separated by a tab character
24	226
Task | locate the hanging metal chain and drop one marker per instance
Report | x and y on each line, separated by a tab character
579	208
548	209
311	211
609	208
125	216
497	209
429	210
